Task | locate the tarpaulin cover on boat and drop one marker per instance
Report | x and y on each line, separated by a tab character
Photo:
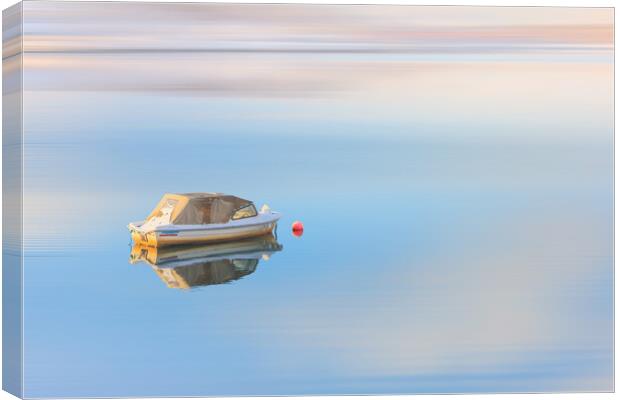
198	208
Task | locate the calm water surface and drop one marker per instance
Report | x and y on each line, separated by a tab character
458	224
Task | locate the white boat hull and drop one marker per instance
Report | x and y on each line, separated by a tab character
170	235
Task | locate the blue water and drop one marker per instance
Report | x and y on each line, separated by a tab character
458	237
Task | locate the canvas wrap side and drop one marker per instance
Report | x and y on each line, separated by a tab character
12	199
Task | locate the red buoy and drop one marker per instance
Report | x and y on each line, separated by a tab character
298	228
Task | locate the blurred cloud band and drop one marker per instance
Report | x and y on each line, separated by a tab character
92	27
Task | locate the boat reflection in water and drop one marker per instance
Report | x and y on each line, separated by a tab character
184	267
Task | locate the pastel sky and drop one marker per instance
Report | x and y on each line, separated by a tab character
66	26
344	61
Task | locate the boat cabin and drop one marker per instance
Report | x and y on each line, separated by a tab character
199	208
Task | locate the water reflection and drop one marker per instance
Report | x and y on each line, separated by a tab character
185	267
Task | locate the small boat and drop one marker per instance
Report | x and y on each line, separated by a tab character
193	218
185	267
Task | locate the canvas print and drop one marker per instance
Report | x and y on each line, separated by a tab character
204	199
